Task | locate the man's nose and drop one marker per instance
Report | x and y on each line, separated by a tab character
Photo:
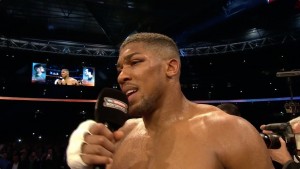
123	76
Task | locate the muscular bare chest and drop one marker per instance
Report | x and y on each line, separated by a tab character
171	149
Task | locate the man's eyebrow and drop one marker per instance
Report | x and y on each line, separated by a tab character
127	58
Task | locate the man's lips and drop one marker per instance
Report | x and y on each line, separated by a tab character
130	92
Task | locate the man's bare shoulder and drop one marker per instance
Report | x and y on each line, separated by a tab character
214	118
230	137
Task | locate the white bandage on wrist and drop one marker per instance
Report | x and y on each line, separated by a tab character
74	147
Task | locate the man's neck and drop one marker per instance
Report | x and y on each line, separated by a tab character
173	110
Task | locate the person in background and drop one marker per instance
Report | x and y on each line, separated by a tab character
88	76
4	161
49	159
39	74
34	160
17	163
282	155
173	133
230	108
66	79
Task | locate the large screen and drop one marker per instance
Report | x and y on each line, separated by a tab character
58	74
38	73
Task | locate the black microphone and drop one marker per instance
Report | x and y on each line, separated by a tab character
111	110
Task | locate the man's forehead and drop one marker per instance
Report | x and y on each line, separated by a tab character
128	50
133	45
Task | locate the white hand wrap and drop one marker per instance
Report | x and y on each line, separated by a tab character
74	147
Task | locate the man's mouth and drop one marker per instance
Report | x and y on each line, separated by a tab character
130	92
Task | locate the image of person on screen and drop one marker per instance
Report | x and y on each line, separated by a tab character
88	76
38	73
65	78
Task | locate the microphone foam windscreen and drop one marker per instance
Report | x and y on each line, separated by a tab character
111	107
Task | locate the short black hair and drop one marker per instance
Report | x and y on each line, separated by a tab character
37	66
230	108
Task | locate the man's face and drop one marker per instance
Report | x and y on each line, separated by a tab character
40	69
86	72
141	77
64	73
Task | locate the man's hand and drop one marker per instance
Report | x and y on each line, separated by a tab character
280	155
99	145
91	144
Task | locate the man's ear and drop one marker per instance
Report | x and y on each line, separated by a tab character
173	67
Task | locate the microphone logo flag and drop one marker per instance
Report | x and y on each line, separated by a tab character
115	104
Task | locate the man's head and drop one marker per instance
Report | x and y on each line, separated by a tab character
230	108
39	68
148	66
153	39
88	71
64	73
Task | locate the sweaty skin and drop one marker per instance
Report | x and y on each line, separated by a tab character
179	134
195	142
174	132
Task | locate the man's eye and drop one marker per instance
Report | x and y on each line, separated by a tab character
119	70
134	62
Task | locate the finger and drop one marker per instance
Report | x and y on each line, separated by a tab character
101	129
282	142
97	140
95	160
94	149
262	127
267	131
118	135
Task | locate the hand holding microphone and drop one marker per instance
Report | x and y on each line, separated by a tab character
111	110
93	144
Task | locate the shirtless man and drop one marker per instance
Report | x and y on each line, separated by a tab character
66	79
173	133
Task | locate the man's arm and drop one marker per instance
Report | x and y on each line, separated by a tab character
235	141
242	142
